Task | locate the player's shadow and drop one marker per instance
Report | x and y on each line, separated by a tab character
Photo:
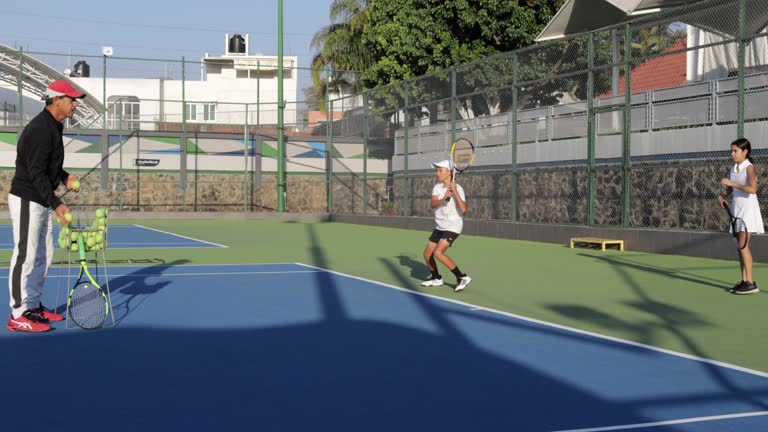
417	269
128	291
132	289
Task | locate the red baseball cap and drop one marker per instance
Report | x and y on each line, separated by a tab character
62	88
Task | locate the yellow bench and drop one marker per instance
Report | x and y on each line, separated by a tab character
602	242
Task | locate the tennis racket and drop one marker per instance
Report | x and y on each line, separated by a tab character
87	303
738	228
462	156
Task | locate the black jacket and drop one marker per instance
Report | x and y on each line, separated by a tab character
40	161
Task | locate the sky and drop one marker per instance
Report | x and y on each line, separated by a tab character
158	29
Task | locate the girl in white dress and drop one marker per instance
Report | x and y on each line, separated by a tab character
742	182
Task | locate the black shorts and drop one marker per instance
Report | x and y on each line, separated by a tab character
438	235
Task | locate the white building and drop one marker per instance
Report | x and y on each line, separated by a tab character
227	88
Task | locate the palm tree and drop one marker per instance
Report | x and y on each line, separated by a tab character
340	50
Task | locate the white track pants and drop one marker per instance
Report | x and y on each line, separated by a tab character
32	253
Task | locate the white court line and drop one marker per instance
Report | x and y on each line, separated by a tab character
553	325
113	243
179	235
113	275
669	422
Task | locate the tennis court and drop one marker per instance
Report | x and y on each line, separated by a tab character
299	325
128	236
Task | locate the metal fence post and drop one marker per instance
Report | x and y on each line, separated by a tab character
742	67
406	180
591	133
513	141
627	129
453	106
366	133
183	144
20	88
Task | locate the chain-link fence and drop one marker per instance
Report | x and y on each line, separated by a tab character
625	126
174	134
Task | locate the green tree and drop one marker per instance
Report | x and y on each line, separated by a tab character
409	38
341	53
414	38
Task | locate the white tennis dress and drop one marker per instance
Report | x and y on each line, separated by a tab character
744	205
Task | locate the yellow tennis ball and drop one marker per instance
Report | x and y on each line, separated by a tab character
90	242
73	236
100	213
74	247
76	185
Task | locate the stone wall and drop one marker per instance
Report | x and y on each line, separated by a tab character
663	195
348	194
679	195
204	192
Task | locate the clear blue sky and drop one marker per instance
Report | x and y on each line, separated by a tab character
161	29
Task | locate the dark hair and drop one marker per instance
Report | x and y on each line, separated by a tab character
744	144
48	101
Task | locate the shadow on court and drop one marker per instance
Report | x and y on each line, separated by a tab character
666	319
130	290
417	269
345	371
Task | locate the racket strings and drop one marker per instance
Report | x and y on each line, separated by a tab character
88	306
462	158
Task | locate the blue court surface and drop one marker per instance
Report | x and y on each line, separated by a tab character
126	237
290	347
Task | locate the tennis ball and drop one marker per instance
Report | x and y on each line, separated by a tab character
74	247
62	243
68	217
100	213
101	223
100	237
76	185
73	236
90	242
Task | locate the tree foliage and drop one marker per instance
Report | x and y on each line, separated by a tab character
409	38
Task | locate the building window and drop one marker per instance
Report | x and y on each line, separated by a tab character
190	112
124	112
209	112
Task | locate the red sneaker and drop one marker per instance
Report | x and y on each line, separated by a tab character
48	314
28	322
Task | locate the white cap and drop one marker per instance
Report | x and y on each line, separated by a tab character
442	164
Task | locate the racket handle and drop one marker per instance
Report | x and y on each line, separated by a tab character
453	178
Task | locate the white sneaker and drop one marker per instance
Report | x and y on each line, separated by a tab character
432	282
463	282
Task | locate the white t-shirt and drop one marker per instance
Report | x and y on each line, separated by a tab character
448	217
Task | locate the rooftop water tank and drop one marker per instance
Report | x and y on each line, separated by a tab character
82	69
236	45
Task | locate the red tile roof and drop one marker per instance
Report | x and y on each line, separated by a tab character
660	72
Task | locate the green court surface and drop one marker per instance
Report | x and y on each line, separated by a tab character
673	302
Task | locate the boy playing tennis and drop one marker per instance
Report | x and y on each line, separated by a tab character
449	203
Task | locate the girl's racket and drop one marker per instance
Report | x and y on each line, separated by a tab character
738	228
87	303
462	156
